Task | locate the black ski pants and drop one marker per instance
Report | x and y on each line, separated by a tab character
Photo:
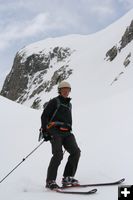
70	145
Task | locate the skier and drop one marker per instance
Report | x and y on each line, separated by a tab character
56	126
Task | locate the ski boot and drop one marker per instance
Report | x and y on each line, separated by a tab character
52	185
69	181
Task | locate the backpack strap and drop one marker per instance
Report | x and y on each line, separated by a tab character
58	105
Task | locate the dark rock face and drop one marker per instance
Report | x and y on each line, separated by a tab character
125	40
127	37
127	60
112	53
27	77
15	81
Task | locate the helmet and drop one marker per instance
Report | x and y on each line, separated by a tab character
64	84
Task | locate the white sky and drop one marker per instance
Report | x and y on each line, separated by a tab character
23	22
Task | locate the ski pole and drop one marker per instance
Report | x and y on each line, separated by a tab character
21	161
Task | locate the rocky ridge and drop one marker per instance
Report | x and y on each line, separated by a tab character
116	49
29	75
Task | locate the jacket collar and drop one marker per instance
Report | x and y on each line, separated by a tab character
64	100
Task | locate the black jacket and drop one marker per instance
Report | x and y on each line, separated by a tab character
63	113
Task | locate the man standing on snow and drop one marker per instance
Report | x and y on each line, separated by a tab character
57	126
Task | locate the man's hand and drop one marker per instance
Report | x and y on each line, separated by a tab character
45	135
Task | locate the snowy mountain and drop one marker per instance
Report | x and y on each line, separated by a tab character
101	62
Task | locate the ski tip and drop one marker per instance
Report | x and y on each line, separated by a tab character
94	191
122	180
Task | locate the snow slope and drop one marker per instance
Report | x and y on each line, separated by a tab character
104	134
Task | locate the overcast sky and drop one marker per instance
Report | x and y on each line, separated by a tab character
25	21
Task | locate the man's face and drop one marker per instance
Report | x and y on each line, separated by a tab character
65	92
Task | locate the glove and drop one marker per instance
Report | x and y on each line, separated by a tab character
44	135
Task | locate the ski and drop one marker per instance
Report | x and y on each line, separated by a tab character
76	192
96	184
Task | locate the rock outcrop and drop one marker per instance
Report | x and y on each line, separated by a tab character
36	73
